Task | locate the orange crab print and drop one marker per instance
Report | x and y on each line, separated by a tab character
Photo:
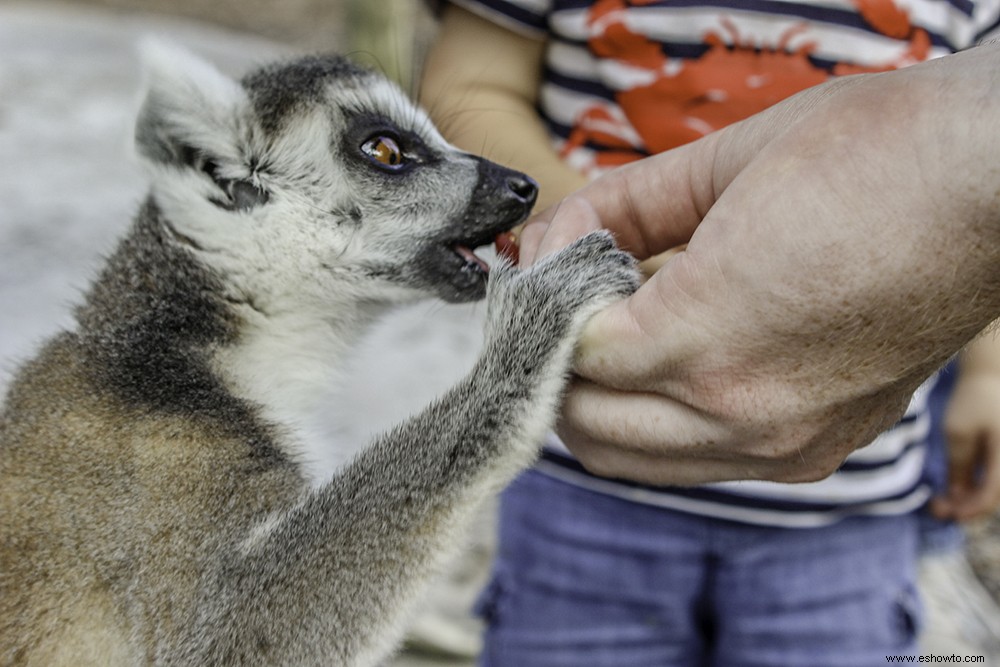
733	79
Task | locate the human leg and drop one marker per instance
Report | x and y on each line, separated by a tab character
838	595
584	579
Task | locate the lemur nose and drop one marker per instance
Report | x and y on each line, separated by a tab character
524	187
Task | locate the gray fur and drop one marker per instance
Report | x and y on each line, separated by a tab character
158	504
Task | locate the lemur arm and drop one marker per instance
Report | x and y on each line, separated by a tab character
386	523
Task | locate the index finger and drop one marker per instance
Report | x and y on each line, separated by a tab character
556	227
651	205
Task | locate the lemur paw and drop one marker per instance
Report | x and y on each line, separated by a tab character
592	268
556	296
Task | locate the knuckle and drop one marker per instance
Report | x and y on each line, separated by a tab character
600	466
794	460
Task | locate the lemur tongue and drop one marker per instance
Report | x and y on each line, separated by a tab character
471	258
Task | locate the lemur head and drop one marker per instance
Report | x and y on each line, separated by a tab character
314	178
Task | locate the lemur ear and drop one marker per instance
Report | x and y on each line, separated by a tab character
189	107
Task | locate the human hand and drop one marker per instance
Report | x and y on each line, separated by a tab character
972	427
841	246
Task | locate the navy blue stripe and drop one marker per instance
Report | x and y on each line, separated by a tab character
515	13
560	5
867	466
812	13
817	15
727	497
967	7
787	506
940	41
563	131
580	43
843	17
775	505
684	50
577	85
557	129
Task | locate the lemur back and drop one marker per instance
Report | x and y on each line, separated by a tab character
159	501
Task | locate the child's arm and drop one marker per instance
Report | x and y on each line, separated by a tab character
972	425
480	86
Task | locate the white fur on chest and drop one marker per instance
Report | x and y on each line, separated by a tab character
287	366
331	404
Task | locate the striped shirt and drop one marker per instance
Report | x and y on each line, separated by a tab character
628	78
624	79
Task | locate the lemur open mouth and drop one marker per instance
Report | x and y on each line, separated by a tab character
457	268
502	200
505	244
472	260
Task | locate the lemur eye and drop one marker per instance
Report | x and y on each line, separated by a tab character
384	150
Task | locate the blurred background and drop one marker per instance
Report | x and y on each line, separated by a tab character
391	32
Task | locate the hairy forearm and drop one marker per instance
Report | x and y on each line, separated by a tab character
841	247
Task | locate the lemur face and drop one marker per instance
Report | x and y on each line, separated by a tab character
424	205
316	178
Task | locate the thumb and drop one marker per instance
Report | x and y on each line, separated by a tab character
655	204
540	237
651	205
634	343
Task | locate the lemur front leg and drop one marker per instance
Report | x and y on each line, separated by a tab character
317	584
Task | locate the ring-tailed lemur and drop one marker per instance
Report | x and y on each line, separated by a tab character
158	502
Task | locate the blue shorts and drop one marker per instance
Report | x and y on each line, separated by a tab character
587	580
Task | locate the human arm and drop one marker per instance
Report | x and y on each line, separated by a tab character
972	428
841	246
480	86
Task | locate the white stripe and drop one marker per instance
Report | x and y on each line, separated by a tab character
687	25
860	47
763	517
583	160
540	7
891	444
570	23
572	61
563	106
937	17
579	63
986	15
902	468
868	486
949	21
840	487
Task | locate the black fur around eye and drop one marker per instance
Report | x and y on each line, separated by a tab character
385	152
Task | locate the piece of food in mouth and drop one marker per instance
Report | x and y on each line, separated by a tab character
506	246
